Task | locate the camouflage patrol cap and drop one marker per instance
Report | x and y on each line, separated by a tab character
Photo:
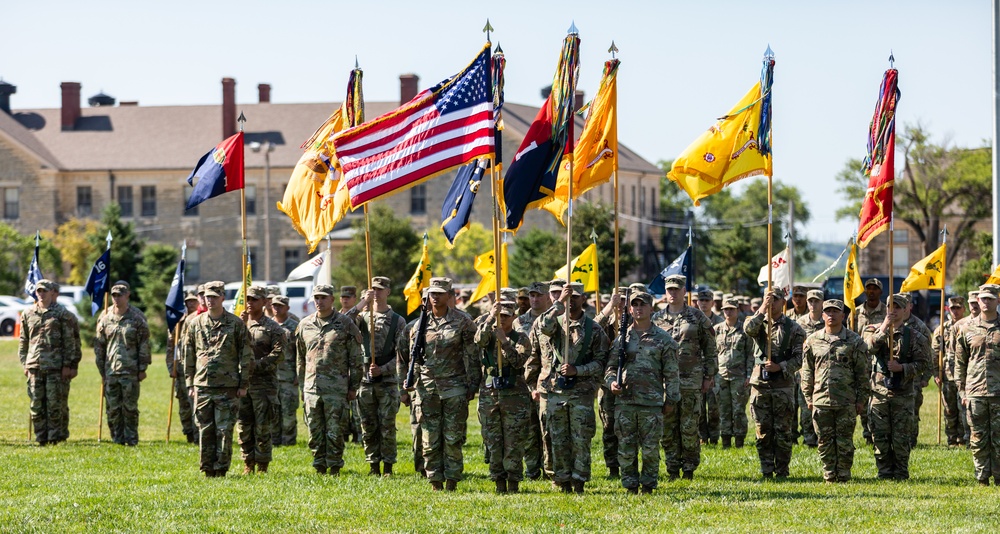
730	304
973	295
381	282
576	289
956	300
522	293
899	300
539	287
507	307
190	294
440	284
777	292
989	291
637	287
705	294
348	291
256	292
833	303
215	289
273	290
675	281
325	290
756	301
873	282
799	290
717	295
745	300
815	294
280	300
727	296
120	286
201	289
508	294
556	282
47	285
643	296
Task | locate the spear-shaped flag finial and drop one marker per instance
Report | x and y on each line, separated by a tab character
37	237
613	50
109	239
593	235
487	29
891	59
769	54
241	119
572	28
356	67
498	49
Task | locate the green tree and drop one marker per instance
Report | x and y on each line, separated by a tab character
599	218
458	262
76	238
16	251
156	271
733	261
126	249
974	272
536	256
394	248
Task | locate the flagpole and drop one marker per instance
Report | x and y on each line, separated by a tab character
100	414
243	218
173	363
569	104
769	57
614	177
690	277
597	285
944	281
498	252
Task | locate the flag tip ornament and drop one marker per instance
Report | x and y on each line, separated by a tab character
613	50
356	67
498	49
572	28
769	53
892	59
487	29
241	119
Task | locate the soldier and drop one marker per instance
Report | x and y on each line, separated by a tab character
755	304
963	415
873	311
538	301
328	362
523	301
608	319
285	428
272	291
504	401
351	418
698	364
944	369
812	321
772	381
217	366
378	398
891	415
717	301
255	422
799	304
649	388
735	365
920	382
708	422
978	374
403	349
121	349
835	387
49	350
175	366
567	383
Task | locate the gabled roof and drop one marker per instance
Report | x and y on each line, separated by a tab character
22	137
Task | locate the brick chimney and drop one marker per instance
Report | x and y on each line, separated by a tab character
228	107
578	101
70	104
407	87
6	90
264	93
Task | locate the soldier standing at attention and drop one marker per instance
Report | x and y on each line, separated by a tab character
919	382
378	398
285	430
402	368
217	365
351	419
567	383
649	387
835	387
504	401
799	304
328	362
121	348
523	301
872	312
708	423
974	311
255	422
175	366
49	350
735	364
698	363
891	416
538	301
448	379
945	338
609	320
977	372
772	382
813	321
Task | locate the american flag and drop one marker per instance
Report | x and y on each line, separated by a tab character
442	127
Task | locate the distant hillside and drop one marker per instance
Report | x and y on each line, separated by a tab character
826	253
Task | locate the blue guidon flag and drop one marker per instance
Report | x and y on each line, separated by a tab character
681	265
97	283
220	171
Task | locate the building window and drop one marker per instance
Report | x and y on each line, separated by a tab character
292	260
633	200
642	202
149	201
251	197
84	201
125	200
901	236
418	200
11	203
192	265
900	260
193	212
653	202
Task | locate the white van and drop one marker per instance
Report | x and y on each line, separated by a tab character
300	301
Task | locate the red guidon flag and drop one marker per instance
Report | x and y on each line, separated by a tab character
876	209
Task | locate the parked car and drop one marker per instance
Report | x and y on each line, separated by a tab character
10	313
300	301
925	303
232	288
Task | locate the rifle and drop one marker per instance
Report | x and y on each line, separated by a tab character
622	338
892	381
417	349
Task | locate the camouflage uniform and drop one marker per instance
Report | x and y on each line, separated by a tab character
920	382
650	379
505	407
868	317
255	422
805	425
891	416
835	380
735	364
606	402
289	389
533	437
772	401
945	339
977	370
402	368
378	398
217	363
963	412
697	361
175	366
567	403
49	343
709	423
328	362
121	348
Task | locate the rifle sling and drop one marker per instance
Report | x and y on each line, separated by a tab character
390	341
588	331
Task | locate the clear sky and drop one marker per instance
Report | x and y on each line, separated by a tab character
684	63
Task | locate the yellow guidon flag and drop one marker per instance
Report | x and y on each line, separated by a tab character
240	302
853	288
727	152
584	269
595	157
421	279
995	277
484	265
927	273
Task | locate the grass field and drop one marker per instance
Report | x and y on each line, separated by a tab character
86	486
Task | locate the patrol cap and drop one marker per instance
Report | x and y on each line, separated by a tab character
873	282
47	285
730	304
833	303
381	282
956	300
643	296
522	293
190	294
440	284
256	292
215	289
323	289
799	290
717	295
348	291
273	290
556	283
120	286
576	289
776	292
507	307
727	296
201	289
989	291
539	287
746	300
279	299
756	301
705	294
973	295
898	299
675	281
508	294
637	287
815	294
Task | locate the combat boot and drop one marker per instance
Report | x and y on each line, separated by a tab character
220	473
501	485
321	469
450	485
334	471
262	467
566	487
248	467
614	472
727	441
739	442
688	475
578	486
633	490
436	485
387	469
647	490
673	475
513	486
713	441
373	469
209	473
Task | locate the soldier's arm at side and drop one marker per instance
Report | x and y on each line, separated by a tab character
100	347
300	356
390	366
245	355
600	346
71	332
145	353
961	359
533	366
921	350
190	357
862	386
470	355
709	350
354	360
806	373
793	363
611	369
23	342
671	375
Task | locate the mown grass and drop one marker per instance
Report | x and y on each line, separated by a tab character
86	486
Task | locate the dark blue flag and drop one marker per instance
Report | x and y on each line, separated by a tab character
681	265
220	171
531	177
34	274
97	283
457	205
175	297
